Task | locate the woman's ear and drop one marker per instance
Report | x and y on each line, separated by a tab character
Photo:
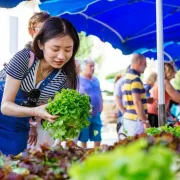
40	45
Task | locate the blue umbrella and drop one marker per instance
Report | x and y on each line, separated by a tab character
171	51
127	24
9	3
56	7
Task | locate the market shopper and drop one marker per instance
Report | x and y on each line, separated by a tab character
119	98
89	84
134	99
170	94
53	69
119	102
151	79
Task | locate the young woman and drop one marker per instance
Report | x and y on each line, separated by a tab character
53	69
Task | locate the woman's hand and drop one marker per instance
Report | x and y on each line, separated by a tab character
41	112
33	136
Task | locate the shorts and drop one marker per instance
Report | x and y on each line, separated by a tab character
130	128
93	132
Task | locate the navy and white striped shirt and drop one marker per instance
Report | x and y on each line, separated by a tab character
18	67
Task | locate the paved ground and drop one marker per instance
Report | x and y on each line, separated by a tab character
109	135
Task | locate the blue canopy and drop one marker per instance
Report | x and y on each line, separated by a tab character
9	3
171	52
56	7
128	25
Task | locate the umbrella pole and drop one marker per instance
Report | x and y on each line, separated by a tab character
160	61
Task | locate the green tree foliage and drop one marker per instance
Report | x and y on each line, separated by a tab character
113	75
85	48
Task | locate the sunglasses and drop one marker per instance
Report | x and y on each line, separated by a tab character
32	99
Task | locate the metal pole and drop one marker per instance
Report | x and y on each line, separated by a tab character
160	59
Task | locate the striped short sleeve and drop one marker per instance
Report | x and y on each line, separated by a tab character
136	85
18	65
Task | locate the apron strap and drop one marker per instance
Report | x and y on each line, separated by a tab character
48	79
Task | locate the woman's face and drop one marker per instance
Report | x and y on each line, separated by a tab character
58	51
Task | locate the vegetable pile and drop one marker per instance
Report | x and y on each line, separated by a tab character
123	160
172	130
44	164
73	110
127	163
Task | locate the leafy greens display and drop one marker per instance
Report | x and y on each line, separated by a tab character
173	130
73	110
126	163
123	160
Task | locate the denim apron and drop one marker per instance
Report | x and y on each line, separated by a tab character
14	131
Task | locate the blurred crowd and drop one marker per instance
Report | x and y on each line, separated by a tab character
137	102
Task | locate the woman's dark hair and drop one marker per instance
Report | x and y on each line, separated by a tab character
55	27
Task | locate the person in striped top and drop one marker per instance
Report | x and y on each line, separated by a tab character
54	68
134	99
